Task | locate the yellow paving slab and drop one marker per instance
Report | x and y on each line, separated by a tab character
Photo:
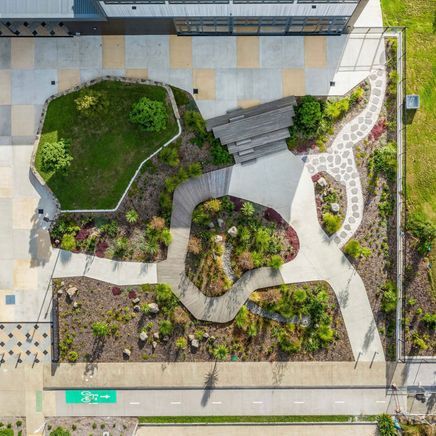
24	212
180	51
113	51
68	79
247	51
245	104
204	80
137	73
6	182
22	53
5	87
293	81
315	51
22	120
25	277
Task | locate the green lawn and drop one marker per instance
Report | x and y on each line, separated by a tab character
231	419
419	18
107	151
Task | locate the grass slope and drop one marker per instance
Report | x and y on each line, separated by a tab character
107	151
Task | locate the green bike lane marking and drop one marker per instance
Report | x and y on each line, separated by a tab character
90	396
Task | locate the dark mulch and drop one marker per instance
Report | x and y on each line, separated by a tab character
97	298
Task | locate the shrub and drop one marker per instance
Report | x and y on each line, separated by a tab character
181	97
220	352
386	425
429	320
424	231
357	95
252	330
308	115
60	431
165	237
213	205
241	319
335	109
100	329
288	344
166	328
325	333
151	247
245	261
194	245
180	316
276	261
170	155
55	157
165	296
157	223
132	216
194	121
91	102
68	242
389	297
262	239
181	343
355	250
332	223
299	296
247	209
151	115
384	160
419	342
72	356
220	154
7	432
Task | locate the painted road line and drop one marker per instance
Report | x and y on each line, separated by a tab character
217	402
257	402
176	402
298	402
339	402
134	403
380	401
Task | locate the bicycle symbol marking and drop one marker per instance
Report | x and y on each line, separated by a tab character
88	397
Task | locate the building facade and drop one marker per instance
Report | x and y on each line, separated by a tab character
181	17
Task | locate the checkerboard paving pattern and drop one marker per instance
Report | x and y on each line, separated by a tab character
25	343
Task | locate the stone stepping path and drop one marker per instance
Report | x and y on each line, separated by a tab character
339	161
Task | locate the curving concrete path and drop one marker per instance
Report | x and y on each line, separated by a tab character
339	160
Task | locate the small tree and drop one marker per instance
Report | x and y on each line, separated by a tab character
220	352
181	343
151	115
132	216
100	329
386	425
308	115
55	157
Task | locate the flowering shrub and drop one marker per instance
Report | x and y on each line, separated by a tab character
378	130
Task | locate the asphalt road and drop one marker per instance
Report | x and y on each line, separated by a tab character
192	402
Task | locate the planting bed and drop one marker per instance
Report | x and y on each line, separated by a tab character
249	337
230	236
116	235
92	425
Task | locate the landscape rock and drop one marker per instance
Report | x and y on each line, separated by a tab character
233	231
211	225
72	291
322	182
154	308
60	291
154	345
136	308
206	336
143	336
334	207
191	338
156	336
136	300
166	338
75	305
213	338
62	284
218	238
195	344
220	222
127	352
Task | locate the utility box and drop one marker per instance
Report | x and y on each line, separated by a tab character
412	101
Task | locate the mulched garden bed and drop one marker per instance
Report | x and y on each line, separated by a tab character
92	425
377	230
149	198
99	301
328	192
217	257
